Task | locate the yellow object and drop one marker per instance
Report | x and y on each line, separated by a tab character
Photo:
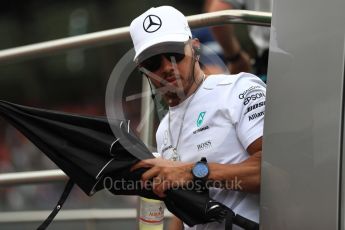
151	214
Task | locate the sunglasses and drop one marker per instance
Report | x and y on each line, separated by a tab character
153	63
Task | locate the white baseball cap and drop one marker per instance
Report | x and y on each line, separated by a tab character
158	25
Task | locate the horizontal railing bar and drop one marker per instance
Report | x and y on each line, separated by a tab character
72	215
230	17
32	177
122	34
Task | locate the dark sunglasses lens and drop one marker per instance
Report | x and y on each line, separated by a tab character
177	56
152	64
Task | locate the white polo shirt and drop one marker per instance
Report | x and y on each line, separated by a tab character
224	117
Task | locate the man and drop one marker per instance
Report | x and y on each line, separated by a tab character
218	117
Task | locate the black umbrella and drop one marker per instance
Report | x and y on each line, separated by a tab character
85	148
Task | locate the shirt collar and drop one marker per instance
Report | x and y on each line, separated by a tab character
213	80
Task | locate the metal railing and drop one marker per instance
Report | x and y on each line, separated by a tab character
122	34
32	177
67	215
72	215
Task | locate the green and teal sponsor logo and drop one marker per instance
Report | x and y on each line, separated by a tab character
200	118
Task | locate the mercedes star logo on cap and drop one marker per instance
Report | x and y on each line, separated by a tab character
152	23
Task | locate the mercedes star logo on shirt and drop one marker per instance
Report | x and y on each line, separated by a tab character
152	23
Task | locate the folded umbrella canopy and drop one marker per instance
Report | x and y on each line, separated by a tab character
86	149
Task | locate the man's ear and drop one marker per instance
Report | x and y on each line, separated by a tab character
196	47
196	42
196	51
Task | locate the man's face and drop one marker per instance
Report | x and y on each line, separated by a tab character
171	71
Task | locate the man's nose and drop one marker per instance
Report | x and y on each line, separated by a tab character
166	63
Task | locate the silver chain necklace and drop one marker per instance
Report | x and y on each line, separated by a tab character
176	156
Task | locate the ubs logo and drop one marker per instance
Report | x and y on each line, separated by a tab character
255	106
152	23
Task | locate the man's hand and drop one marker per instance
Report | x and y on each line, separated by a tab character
166	174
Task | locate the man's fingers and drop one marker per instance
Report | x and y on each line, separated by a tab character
160	189
150	173
142	164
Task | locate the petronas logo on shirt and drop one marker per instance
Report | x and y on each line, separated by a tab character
200	118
